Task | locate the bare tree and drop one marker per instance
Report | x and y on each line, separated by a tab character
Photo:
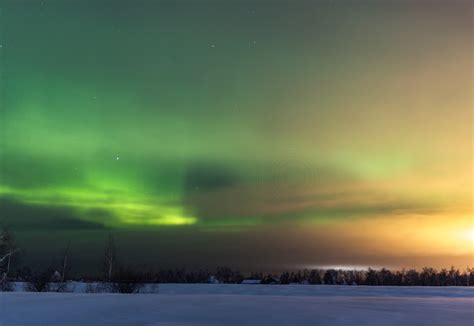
7	250
59	278
110	257
65	262
7	257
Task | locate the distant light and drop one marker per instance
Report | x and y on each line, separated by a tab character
117	158
343	267
470	235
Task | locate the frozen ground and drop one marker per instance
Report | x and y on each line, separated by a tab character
220	304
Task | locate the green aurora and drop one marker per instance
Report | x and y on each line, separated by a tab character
281	123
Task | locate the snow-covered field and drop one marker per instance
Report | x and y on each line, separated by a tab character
222	304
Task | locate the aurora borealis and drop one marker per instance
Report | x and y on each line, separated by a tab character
256	134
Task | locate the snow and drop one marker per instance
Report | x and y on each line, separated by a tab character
234	304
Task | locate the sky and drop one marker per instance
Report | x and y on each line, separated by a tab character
261	135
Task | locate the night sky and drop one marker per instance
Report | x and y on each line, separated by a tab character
262	135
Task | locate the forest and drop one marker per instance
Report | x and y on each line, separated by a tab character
126	279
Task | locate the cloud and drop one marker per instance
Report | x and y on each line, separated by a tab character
209	177
20	215
294	202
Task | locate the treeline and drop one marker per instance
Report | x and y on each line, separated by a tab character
126	279
425	277
375	277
